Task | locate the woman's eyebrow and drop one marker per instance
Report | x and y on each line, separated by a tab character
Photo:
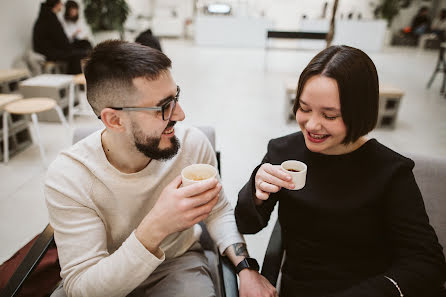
324	108
330	109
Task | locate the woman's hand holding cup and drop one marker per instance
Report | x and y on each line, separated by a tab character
270	179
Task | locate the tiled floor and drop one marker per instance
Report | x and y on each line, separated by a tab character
230	90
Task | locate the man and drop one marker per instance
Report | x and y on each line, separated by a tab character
123	224
49	38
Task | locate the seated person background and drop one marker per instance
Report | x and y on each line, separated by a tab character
359	226
49	38
123	225
76	32
146	38
439	24
421	22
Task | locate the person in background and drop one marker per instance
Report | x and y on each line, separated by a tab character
148	39
358	227
421	22
50	40
439	24
77	33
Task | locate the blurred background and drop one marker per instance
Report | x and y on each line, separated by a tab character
237	63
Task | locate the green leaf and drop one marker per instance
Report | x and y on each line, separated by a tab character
106	14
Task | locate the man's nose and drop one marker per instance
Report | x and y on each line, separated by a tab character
178	113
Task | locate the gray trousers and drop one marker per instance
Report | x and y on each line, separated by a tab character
184	276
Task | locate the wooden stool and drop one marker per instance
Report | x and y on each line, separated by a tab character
290	96
10	78
78	90
30	106
5	99
389	104
54	67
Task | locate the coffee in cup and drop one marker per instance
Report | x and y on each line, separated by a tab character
298	172
197	172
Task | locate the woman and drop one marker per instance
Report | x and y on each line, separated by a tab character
76	32
50	40
358	227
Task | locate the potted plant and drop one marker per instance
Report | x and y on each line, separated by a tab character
106	18
389	9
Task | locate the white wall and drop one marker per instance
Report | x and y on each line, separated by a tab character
286	14
17	18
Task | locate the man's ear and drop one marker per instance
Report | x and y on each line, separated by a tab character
112	119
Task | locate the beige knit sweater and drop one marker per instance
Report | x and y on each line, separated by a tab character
94	210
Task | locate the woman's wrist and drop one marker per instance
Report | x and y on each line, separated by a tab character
258	201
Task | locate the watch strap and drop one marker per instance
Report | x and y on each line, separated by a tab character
247	263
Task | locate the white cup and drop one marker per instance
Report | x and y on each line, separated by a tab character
298	172
196	173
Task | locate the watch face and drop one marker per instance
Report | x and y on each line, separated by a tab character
253	264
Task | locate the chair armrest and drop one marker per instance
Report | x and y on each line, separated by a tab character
273	256
31	260
229	277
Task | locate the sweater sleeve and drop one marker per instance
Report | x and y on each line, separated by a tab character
81	237
251	218
418	265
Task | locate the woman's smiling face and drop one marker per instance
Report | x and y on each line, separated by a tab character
319	116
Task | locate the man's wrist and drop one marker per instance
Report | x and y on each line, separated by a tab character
247	264
149	235
246	272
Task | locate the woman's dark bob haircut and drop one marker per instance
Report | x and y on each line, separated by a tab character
69	5
358	86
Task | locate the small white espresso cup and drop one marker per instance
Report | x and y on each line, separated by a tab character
197	172
298	172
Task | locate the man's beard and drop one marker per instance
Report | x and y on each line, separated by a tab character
149	146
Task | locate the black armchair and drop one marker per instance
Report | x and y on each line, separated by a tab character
274	256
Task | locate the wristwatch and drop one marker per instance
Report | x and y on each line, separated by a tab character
248	263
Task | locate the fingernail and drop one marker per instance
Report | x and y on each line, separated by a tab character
292	186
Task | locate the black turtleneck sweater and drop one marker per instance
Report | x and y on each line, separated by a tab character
49	37
360	217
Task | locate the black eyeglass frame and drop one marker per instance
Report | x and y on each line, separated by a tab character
161	108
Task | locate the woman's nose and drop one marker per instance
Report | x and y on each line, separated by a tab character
313	123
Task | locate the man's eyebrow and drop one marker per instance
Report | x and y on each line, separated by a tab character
162	101
324	108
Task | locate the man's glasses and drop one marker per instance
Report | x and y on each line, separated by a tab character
167	108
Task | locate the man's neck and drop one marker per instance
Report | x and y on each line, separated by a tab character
122	155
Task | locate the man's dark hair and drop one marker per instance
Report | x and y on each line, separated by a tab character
70	4
358	86
52	3
146	38
111	68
